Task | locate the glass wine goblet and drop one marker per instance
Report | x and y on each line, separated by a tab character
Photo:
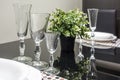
22	14
52	42
39	23
92	14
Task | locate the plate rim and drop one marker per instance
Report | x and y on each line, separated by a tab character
100	40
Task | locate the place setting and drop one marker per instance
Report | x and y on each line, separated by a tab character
102	40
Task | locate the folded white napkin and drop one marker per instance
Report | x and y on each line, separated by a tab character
102	44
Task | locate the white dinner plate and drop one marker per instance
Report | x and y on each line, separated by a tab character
102	36
12	70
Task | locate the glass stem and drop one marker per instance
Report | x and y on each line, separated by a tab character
51	59
80	51
92	48
92	53
92	38
37	52
22	46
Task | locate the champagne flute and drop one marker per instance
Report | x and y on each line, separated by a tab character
22	14
39	23
92	14
52	42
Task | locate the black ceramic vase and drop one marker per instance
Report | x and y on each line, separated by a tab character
67	60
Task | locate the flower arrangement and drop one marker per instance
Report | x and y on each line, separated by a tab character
69	23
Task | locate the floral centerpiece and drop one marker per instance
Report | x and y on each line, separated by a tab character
69	24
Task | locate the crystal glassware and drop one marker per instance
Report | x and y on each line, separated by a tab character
39	23
80	56
92	71
52	42
22	14
92	14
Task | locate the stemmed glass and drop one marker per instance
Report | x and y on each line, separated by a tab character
39	23
92	14
51	42
22	14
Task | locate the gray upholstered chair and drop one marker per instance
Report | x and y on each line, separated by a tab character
107	21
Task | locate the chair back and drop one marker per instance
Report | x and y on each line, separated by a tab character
106	21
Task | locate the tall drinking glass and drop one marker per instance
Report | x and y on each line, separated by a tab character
22	14
39	23
92	14
52	42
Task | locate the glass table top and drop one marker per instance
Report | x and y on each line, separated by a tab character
6	51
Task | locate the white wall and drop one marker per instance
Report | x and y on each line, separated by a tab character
7	18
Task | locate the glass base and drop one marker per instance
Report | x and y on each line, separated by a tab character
92	57
40	65
52	70
23	59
